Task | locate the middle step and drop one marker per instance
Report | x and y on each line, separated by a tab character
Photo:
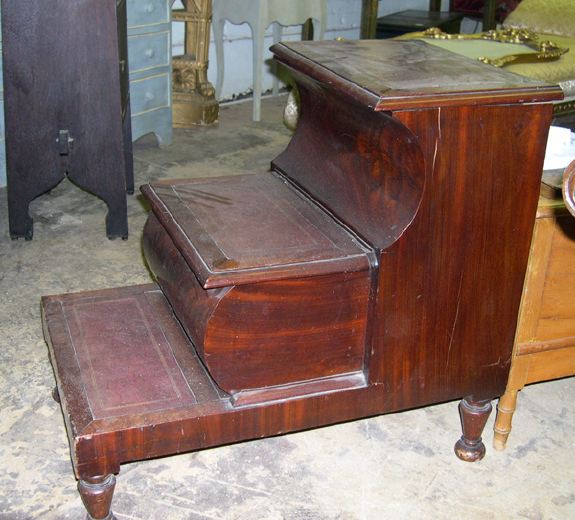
271	289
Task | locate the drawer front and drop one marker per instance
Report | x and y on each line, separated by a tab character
157	121
147	12
148	94
149	50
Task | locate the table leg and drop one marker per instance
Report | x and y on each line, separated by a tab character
505	409
474	415
97	493
258	58
218	26
277	35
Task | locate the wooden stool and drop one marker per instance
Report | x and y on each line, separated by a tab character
360	277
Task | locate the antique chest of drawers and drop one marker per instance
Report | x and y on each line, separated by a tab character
149	51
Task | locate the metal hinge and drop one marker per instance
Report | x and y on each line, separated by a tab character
65	142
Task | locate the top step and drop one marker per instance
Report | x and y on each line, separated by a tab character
403	74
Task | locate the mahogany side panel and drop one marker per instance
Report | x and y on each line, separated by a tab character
449	289
365	167
213	424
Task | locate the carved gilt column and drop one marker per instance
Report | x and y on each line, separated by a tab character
194	101
369	18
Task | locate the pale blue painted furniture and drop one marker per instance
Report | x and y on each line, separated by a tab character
2	139
149	55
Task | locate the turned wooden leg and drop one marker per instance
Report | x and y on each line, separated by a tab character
474	415
96	493
505	410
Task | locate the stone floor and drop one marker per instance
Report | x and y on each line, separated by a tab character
398	466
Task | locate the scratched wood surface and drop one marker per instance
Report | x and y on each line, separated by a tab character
403	74
248	228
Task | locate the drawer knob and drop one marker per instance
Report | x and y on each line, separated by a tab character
150	53
149	96
149	8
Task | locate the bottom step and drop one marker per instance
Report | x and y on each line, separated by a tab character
132	387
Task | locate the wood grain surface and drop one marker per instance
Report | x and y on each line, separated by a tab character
408	74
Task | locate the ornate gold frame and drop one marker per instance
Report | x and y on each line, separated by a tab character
545	50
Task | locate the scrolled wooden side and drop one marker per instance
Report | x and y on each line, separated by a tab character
366	167
192	303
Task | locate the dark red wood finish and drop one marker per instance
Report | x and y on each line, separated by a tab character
448	293
250	228
97	493
457	273
408	74
271	290
427	290
66	69
169	420
474	415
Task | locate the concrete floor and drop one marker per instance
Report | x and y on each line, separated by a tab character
398	466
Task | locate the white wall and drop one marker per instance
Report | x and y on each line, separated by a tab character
344	18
